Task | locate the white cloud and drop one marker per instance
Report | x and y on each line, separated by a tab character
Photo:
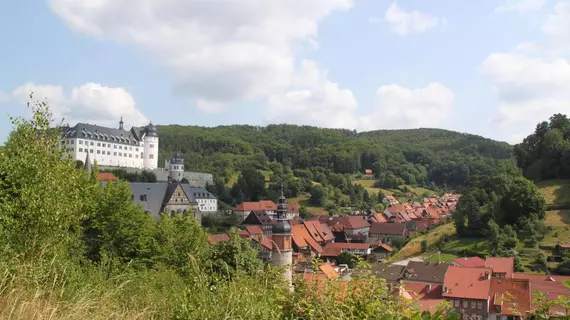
90	102
218	51
407	22
396	107
317	101
521	6
531	82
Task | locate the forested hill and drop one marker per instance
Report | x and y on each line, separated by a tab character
419	156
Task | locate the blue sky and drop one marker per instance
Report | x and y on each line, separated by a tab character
493	68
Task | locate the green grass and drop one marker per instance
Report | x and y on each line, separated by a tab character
369	185
555	191
476	246
303	200
441	257
560	221
413	248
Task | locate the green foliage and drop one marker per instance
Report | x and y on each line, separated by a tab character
424	245
236	256
348	258
143	176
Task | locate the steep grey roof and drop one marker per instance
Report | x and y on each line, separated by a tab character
197	193
154	192
425	271
385	271
95	132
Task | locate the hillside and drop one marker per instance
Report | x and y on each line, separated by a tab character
415	157
556	192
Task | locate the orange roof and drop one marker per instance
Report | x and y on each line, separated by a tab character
348	245
355	222
106	176
550	285
472	262
215	238
312	227
292	208
302	238
254	229
326	232
264	240
331	252
298	235
329	271
469	283
379	218
506	291
501	265
428	296
368	171
257	206
387	247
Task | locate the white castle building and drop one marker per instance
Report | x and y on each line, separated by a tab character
135	148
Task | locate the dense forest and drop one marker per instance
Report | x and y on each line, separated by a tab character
416	157
545	153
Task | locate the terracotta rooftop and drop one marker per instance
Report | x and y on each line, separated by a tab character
329	271
501	265
254	230
513	295
355	222
379	218
472	262
215	238
468	283
106	176
427	296
301	238
264	240
348	246
548	284
254	206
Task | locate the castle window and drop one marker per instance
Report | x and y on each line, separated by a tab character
80	149
151	145
142	155
130	155
98	151
91	143
98	144
120	154
80	141
130	148
115	146
137	149
136	156
121	147
90	150
108	153
104	145
114	153
151	156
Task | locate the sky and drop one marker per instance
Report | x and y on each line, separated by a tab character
489	67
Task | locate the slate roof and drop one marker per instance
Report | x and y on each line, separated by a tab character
156	195
390	272
197	193
425	271
95	132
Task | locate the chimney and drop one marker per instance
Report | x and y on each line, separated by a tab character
428	288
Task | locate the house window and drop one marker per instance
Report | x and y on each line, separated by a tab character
137	149
120	154
473	304
465	304
90	150
80	141
98	151
104	145
457	303
80	149
479	305
151	156
130	148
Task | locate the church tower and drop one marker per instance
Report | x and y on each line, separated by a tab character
282	251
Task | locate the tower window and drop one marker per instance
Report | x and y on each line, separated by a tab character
151	145
90	150
151	156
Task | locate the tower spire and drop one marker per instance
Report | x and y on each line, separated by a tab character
282	251
121	124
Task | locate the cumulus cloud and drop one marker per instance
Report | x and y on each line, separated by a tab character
408	22
521	6
219	51
396	107
531	85
315	101
90	102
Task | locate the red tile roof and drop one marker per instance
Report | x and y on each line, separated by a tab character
257	206
331	252
348	246
429	297
327	232
254	229
368	171
312	227
292	208
106	176
302	238
472	262
513	295
501	265
386	247
215	238
264	240
329	271
379	217
355	222
548	284
468	283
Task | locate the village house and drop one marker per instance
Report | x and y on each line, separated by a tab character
550	285
428	295
381	251
471	262
386	232
425	272
467	290
304	243
334	249
245	208
509	299
259	218
391	200
389	272
319	231
503	267
355	228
